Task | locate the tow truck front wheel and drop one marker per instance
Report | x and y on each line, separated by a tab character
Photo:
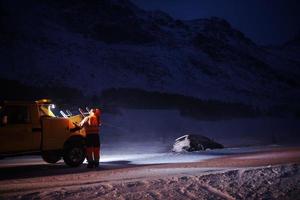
74	154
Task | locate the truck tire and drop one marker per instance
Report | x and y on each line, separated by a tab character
74	154
51	156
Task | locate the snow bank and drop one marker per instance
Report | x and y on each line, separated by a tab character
278	182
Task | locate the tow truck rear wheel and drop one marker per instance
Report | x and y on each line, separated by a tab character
51	156
74	154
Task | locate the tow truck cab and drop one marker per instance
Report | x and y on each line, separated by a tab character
32	127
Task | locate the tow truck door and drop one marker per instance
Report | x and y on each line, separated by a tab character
18	135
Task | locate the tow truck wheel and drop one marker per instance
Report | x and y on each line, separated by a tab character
74	154
51	156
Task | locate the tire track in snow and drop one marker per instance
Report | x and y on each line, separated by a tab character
217	192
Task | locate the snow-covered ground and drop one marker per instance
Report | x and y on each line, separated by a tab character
140	157
126	154
234	173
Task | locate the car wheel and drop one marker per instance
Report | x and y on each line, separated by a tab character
51	156
74	154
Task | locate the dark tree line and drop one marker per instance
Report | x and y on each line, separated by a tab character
188	106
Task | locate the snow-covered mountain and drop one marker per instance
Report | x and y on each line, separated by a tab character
95	45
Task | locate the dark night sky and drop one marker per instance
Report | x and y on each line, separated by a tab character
264	21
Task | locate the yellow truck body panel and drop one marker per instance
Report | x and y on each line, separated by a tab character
39	132
32	127
57	130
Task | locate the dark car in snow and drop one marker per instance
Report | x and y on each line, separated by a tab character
195	143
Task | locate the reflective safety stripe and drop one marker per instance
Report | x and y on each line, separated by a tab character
93	121
92	125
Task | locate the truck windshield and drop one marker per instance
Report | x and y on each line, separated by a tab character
45	110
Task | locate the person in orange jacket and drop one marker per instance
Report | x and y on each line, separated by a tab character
91	125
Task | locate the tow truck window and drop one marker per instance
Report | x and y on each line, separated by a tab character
45	110
16	114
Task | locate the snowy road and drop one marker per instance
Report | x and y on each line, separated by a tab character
112	158
34	166
31	176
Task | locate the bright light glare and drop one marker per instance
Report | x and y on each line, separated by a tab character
50	113
155	158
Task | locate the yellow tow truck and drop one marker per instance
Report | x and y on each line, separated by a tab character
32	128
